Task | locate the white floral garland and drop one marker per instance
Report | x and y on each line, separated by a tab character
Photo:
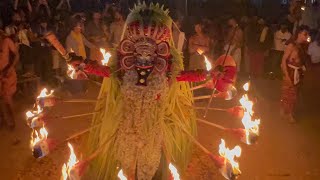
139	137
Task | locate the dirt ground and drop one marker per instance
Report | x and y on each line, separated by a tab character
284	151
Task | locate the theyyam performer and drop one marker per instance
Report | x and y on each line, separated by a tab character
144	114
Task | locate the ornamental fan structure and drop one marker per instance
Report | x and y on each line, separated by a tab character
145	118
143	104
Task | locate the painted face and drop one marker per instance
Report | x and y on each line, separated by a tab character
145	56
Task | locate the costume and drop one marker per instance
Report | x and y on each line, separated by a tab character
140	106
289	90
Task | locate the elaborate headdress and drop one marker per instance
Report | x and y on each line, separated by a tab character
145	46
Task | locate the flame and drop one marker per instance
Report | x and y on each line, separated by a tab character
66	168
121	176
309	39
71	50
64	172
71	72
303	8
246	86
32	114
37	138
230	154
251	126
106	56
29	114
200	51
208	64
247	104
174	172
44	93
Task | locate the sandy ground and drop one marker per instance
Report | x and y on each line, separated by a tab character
284	151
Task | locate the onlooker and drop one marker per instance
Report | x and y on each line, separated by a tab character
234	33
12	29
314	50
43	60
179	37
8	78
116	29
280	39
76	42
235	52
95	33
199	44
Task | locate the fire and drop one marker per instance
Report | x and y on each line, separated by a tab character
309	39
247	104
37	138
246	86
229	155
29	114
200	51
71	72
44	93
32	114
303	8
106	56
251	127
121	176
208	64
174	172
66	168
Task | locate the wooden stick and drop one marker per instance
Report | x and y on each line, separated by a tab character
214	109
202	97
80	101
210	100
95	82
205	150
212	124
198	87
78	115
81	132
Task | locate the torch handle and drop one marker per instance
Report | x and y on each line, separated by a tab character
52	38
212	124
205	150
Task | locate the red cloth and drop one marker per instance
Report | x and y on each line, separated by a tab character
289	94
192	76
226	79
96	69
256	62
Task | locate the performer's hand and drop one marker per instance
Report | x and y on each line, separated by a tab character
75	60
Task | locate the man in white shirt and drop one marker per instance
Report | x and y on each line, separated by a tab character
314	50
280	39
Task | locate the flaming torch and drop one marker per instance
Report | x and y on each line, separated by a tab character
251	126
174	172
208	64
230	168
46	99
121	176
35	118
106	57
67	169
246	86
76	73
41	145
